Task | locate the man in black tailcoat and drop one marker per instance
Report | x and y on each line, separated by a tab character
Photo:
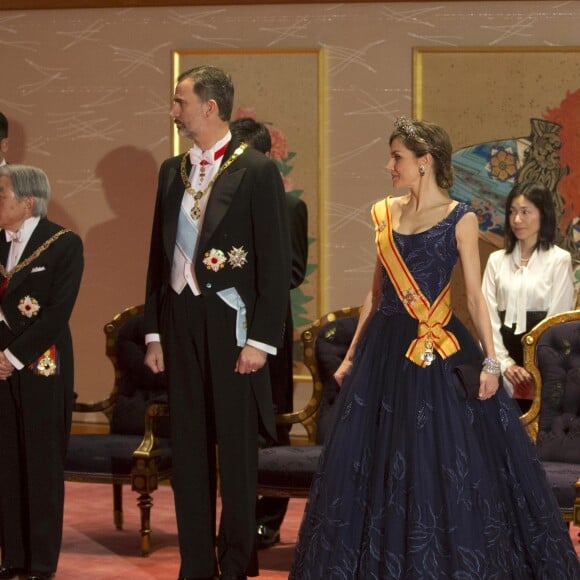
216	300
41	266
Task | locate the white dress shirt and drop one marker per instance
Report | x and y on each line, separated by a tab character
182	270
16	249
545	284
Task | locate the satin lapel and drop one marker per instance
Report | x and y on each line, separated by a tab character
171	209
221	196
219	202
39	236
4	248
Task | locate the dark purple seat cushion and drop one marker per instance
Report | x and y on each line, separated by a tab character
562	478
104	454
288	466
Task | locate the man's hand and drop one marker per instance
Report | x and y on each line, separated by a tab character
6	368
154	357
250	360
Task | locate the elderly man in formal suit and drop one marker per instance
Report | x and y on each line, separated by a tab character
41	266
216	300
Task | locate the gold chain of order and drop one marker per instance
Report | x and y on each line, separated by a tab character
197	195
32	256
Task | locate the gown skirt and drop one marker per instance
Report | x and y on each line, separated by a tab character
416	483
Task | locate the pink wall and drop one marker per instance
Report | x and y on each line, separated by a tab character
87	93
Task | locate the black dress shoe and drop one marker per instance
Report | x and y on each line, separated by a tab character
266	537
7	573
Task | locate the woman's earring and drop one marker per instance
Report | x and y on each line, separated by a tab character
421	170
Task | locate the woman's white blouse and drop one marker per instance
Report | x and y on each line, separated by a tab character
545	284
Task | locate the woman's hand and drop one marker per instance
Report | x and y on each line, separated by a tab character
488	385
342	371
518	376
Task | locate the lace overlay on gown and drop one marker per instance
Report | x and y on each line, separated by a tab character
415	483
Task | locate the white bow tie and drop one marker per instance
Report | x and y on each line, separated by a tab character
199	157
13	236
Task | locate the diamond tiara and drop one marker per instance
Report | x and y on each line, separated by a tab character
408	129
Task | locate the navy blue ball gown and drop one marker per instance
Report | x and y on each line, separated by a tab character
415	482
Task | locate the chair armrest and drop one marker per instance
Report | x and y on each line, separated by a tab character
104	406
147	447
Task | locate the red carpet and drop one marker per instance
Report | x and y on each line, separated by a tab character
94	550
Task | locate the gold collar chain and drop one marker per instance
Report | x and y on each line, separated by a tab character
33	256
197	195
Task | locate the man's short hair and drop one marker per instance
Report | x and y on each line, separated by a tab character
255	134
28	181
211	82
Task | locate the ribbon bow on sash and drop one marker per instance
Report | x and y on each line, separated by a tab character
431	332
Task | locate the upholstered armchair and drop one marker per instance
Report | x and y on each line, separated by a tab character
136	449
287	470
552	356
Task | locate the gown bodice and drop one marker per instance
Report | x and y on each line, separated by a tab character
430	256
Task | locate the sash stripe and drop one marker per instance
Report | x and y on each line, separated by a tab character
432	318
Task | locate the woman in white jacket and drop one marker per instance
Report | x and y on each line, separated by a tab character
529	279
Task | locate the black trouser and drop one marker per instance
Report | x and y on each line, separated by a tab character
210	405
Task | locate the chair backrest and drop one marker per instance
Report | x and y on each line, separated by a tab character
552	356
308	415
111	330
136	386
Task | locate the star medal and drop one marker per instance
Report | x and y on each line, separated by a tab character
237	257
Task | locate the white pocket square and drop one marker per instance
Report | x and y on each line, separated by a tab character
37	269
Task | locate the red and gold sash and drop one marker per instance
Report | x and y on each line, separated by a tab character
431	332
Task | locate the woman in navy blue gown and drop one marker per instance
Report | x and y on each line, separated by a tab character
416	482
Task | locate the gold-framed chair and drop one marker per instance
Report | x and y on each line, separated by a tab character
131	453
287	470
552	356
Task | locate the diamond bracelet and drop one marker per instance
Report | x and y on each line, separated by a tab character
491	366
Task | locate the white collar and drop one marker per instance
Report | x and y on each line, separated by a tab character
26	229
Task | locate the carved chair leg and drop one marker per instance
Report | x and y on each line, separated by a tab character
145	503
118	505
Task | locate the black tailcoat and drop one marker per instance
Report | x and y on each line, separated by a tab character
36	410
210	403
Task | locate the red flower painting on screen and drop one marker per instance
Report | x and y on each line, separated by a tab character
567	115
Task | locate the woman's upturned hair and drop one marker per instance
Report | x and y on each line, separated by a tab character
421	138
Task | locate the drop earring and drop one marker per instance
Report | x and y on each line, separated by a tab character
421	170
